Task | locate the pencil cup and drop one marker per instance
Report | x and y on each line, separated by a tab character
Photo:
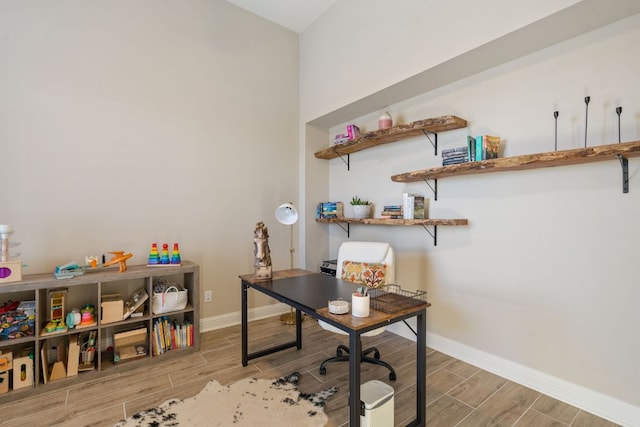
360	305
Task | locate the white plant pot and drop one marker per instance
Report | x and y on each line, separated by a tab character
361	211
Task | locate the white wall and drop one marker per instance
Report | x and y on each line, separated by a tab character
544	277
358	47
126	123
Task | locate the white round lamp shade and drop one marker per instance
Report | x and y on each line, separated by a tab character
287	214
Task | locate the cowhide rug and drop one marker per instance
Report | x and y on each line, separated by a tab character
248	402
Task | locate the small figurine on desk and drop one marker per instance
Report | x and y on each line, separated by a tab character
261	252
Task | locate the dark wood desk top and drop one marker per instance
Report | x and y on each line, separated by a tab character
315	290
375	317
280	274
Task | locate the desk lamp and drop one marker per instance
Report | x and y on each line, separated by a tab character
287	214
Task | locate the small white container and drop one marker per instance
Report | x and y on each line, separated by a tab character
360	305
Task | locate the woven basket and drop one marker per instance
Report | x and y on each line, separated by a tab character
172	299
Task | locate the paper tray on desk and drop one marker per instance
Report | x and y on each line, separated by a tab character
392	298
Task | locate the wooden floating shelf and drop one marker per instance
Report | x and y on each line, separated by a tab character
527	161
393	134
388	221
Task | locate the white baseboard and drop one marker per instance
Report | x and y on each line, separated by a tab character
231	319
599	404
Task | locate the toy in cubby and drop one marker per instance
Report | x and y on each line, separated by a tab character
56	310
87	315
73	318
23	370
6	364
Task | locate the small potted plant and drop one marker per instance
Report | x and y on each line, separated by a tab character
361	208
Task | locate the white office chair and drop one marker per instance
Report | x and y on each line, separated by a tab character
371	264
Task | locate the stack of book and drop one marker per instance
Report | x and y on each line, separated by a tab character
170	335
392	212
414	206
453	156
353	131
330	210
483	147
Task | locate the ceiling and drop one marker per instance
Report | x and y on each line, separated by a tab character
295	15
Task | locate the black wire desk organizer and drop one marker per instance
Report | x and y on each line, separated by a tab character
392	298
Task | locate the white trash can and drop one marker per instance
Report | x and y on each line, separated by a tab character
376	404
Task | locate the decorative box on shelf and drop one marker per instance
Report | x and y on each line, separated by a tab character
10	271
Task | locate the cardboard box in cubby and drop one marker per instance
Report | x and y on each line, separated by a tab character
130	344
112	308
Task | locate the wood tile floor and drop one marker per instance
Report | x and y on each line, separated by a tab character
458	394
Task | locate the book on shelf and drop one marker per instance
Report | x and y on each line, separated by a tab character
457	151
452	156
492	144
330	210
420	207
471	145
353	131
391	212
415	206
170	335
407	205
455	161
487	147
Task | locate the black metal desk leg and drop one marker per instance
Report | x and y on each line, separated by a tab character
421	360
298	329
245	329
355	354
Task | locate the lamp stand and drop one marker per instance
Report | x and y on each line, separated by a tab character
290	317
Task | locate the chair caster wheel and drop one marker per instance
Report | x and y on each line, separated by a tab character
323	371
392	376
376	355
339	353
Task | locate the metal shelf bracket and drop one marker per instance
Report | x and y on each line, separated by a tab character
346	230
433	143
346	162
434	234
624	164
434	188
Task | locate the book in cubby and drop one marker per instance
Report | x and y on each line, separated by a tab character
170	335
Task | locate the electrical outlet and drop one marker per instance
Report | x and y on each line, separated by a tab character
207	296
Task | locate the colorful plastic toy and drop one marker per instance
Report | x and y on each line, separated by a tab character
164	258
175	255
119	257
154	256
